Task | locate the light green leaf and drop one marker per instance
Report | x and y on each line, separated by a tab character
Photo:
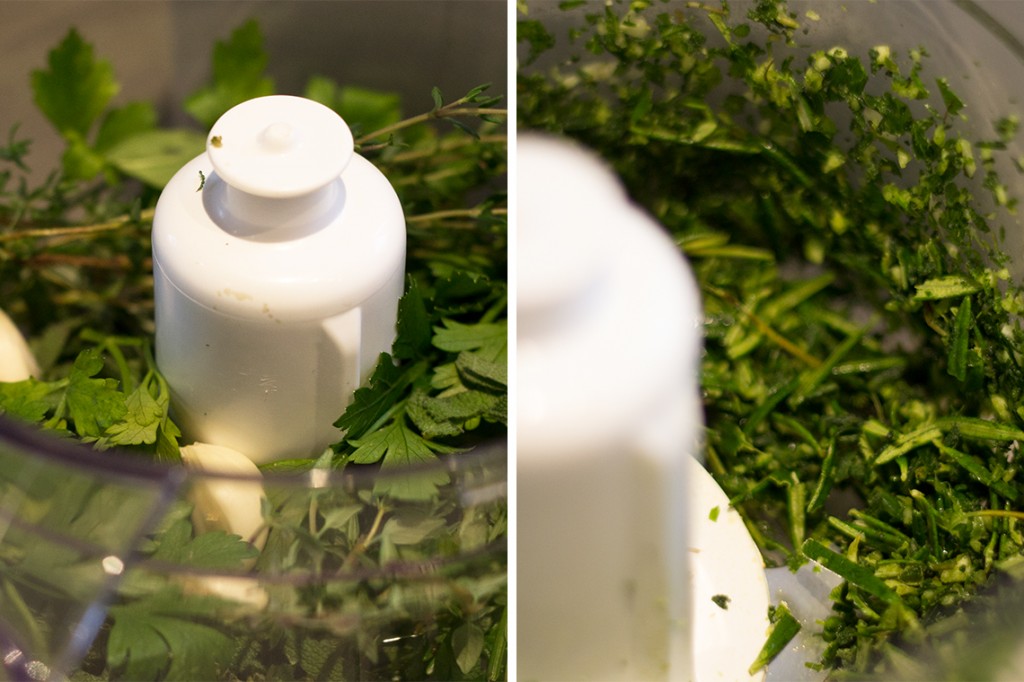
123	122
238	75
94	404
468	644
76	88
489	338
139	425
396	446
155	156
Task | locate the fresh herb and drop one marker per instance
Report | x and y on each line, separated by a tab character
332	601
862	376
721	601
784	627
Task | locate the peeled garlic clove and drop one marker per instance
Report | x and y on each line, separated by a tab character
16	360
243	590
232	505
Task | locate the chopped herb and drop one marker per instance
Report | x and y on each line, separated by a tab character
862	378
721	601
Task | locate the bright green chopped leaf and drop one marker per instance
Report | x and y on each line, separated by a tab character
76	87
959	340
949	286
783	629
851	571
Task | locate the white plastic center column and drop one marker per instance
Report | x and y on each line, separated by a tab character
609	419
276	283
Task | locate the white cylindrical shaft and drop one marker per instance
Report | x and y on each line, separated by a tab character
608	415
277	284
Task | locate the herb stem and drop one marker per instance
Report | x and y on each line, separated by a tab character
438	216
451	110
77	231
765	328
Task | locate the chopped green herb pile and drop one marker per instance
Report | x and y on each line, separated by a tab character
75	274
862	379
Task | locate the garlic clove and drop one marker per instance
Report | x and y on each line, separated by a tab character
243	590
232	505
16	360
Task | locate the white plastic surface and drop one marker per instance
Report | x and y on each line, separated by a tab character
272	308
280	146
609	418
726	563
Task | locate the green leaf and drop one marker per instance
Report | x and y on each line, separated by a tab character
76	88
368	110
80	161
849	570
468	644
490	339
947	286
238	75
453	415
214	549
783	629
123	122
27	400
414	333
154	156
371	402
94	404
956	363
164	636
141	421
396	446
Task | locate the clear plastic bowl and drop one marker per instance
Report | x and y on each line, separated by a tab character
356	580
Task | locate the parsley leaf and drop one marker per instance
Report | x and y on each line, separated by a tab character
238	75
213	549
167	636
76	88
371	402
396	445
93	404
489	339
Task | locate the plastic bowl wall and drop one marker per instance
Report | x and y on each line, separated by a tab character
363	574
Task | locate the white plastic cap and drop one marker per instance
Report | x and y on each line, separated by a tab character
609	315
280	146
